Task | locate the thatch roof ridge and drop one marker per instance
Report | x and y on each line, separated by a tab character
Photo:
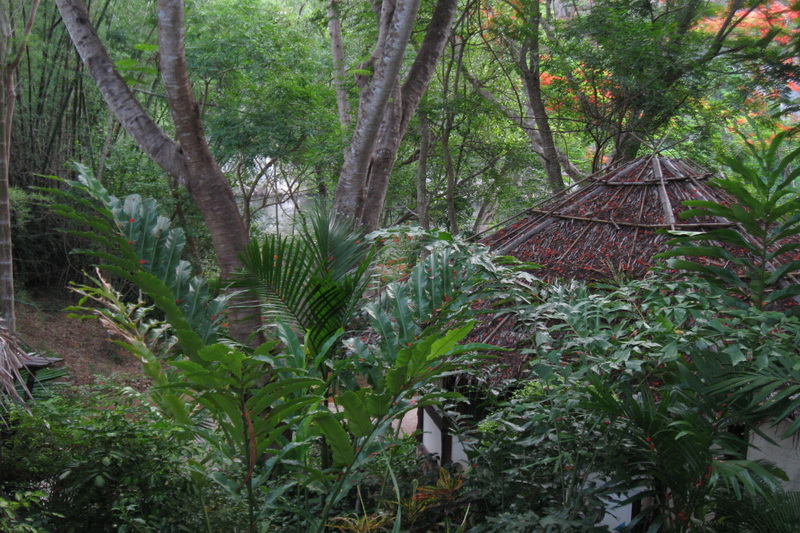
612	222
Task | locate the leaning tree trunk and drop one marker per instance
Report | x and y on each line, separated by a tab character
143	130
189	161
207	184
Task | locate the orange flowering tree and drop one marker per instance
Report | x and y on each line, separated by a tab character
617	75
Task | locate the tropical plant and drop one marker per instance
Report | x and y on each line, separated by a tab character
109	462
313	283
269	406
753	262
628	401
11	507
770	387
138	245
775	511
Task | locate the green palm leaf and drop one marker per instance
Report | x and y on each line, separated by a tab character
313	283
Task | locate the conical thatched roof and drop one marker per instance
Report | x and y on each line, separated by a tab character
612	223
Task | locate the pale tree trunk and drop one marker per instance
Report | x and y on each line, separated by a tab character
422	173
205	181
337	54
12	47
382	161
363	189
7	97
189	160
143	130
396	22
485	215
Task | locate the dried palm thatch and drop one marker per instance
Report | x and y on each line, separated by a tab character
611	225
12	360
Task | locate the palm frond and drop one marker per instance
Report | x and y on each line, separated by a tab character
313	283
11	362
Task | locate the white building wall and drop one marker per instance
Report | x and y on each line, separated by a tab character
431	436
785	454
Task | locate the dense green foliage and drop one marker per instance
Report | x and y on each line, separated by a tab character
628	401
637	392
103	459
753	261
261	75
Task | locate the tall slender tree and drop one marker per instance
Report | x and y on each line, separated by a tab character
16	23
337	54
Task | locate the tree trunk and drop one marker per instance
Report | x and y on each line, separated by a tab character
529	63
143	130
206	183
381	163
189	160
422	174
337	53
396	24
450	194
550	160
486	213
7	97
529	126
12	47
378	158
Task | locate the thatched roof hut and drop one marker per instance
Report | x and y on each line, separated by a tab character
611	224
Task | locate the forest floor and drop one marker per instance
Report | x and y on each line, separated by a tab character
86	347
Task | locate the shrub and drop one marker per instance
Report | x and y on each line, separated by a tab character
624	398
103	461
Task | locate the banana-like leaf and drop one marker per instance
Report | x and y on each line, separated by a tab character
337	438
138	241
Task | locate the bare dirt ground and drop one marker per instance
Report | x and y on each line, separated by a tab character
85	346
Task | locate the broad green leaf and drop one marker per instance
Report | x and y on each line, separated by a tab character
337	438
355	412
